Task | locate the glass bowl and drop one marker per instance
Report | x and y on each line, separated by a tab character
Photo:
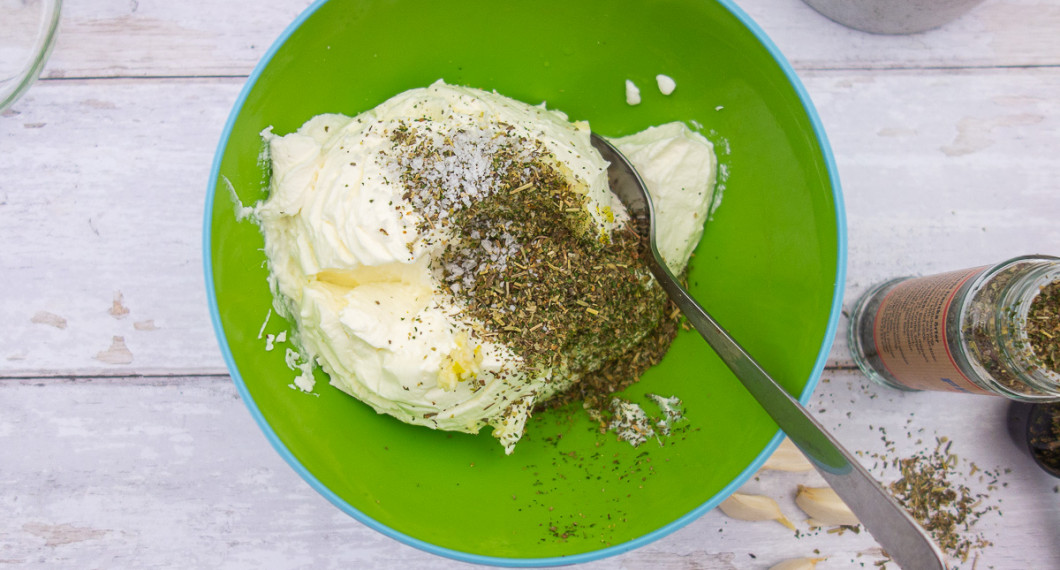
27	34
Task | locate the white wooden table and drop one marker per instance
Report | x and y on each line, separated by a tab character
123	442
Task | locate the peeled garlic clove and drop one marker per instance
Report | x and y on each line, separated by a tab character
824	506
754	508
788	457
797	564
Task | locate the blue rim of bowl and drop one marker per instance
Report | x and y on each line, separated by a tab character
743	477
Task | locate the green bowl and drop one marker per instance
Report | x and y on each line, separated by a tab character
770	267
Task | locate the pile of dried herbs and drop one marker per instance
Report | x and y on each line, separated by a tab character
1043	326
981	332
996	340
523	256
929	487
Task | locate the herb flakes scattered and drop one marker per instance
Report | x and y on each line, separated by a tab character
929	486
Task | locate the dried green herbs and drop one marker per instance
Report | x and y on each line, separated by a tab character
1016	352
989	333
930	487
1043	326
522	255
944	508
619	373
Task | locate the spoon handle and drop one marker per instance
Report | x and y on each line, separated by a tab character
890	524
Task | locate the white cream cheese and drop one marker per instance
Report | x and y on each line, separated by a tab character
678	167
351	263
666	84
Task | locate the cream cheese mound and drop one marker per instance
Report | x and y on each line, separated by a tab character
350	254
678	166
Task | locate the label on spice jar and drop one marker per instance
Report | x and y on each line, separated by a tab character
910	333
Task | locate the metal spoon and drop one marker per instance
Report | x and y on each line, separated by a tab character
896	531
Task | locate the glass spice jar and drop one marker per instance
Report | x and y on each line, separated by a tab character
986	330
1043	436
1035	429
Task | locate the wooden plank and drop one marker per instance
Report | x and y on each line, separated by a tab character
104	232
101	196
996	33
106	473
144	38
940	171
